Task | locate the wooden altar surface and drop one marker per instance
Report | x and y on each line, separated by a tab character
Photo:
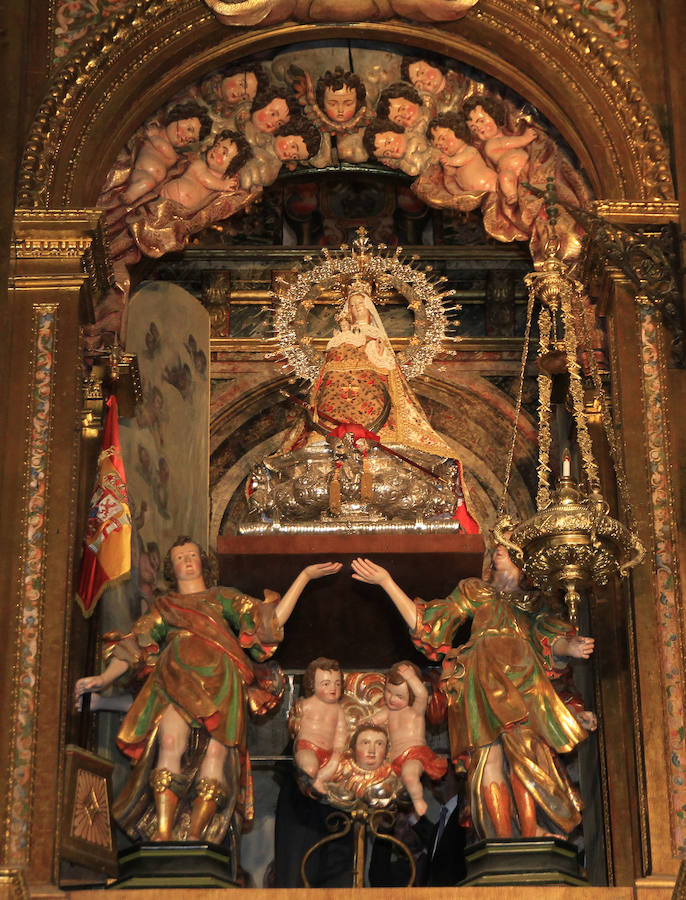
339	617
510	892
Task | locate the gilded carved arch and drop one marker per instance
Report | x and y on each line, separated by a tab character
152	49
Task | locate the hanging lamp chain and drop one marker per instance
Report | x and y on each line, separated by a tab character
545	391
576	388
518	406
605	414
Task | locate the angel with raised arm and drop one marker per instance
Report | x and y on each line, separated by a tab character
506	721
199	649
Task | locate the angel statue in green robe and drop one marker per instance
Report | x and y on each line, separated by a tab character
507	722
200	650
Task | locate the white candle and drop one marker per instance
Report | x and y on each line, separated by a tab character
566	465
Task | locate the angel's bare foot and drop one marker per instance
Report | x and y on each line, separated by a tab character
540	832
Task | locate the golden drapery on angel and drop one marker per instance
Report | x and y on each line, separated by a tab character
200	650
499	689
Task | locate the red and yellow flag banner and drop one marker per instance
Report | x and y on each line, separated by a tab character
107	545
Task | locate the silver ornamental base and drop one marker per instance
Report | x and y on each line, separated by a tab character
291	492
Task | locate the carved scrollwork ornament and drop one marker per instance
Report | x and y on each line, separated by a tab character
97	265
216	294
653	156
646	256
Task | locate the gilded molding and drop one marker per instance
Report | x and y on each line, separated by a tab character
72	84
642	129
49	217
451	346
13	884
607	69
54	233
647	258
73	547
97	264
56	246
124	43
679	892
31	586
33	248
665	557
637	212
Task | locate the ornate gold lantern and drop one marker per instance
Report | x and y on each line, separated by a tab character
572	541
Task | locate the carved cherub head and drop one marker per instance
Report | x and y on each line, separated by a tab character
340	95
425	76
485	116
397	692
229	153
235	84
368	746
297	139
449	133
272	109
187	123
400	103
384	139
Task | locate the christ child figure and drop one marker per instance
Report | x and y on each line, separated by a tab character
464	168
486	118
406	699
318	722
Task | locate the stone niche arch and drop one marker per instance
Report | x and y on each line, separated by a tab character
131	65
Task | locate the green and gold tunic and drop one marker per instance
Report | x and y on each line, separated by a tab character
194	661
498	686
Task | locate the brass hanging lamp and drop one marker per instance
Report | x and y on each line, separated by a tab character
571	542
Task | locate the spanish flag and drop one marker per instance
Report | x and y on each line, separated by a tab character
107	546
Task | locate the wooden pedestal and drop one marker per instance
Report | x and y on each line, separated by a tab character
174	864
530	861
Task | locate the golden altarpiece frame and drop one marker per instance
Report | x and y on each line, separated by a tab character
94	103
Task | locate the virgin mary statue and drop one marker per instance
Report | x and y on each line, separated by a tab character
361	390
